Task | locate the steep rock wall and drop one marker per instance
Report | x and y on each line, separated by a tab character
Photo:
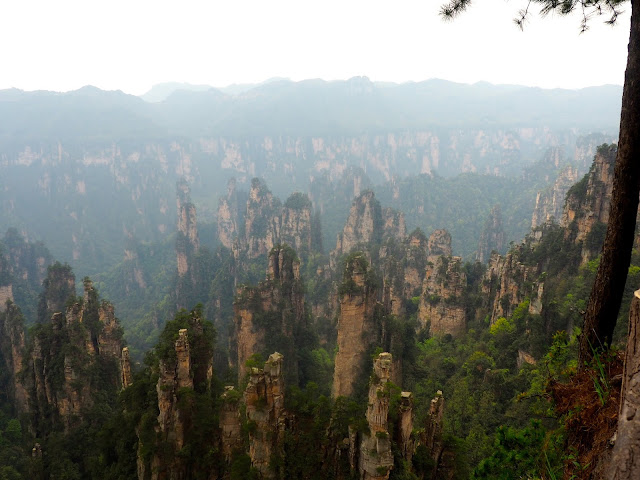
507	283
586	211
265	316
264	400
355	325
550	202
376	458
442	303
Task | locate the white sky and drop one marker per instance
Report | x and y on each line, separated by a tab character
133	44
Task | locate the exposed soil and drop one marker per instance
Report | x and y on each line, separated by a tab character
590	423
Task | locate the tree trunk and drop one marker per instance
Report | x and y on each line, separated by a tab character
606	295
625	457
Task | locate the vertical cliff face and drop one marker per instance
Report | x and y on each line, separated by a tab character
296	223
442	303
586	210
125	368
376	458
404	429
431	437
550	202
58	287
507	283
393	224
25	262
364	225
267	222
356	324
168	446
6	294
187	242
266	316
492	237
368	225
175	379
227	218
230	422
264	400
261	221
403	266
12	344
439	244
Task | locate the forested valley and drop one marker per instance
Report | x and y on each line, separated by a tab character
228	287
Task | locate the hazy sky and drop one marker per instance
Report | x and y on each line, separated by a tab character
131	45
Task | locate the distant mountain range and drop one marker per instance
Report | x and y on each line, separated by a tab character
310	107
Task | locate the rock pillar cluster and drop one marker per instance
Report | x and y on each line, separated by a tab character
270	311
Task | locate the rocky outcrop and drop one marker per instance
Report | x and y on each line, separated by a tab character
368	225
6	294
125	368
230	422
439	244
550	202
264	400
174	380
356	329
403	266
12	344
187	241
364	224
376	458
296	223
586	211
183	389
266	316
431	437
57	288
393	224
227	217
441	303
441	300
261	221
492	237
507	283
266	222
26	262
404	429
85	334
